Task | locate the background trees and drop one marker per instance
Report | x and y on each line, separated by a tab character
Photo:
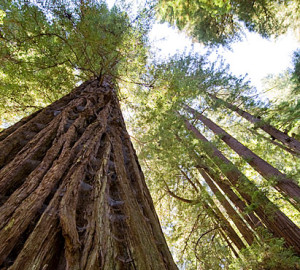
221	22
203	175
218	212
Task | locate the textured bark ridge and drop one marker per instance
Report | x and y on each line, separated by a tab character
73	195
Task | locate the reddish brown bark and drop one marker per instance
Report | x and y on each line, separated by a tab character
237	220
279	224
73	195
290	142
288	187
251	218
223	183
215	213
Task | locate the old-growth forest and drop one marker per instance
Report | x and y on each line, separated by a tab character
112	157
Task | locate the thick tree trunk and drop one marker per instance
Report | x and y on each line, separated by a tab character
282	183
237	220
279	224
290	142
73	195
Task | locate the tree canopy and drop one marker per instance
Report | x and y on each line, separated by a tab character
46	50
219	206
220	22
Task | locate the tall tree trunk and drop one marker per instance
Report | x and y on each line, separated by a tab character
237	220
279	224
231	212
222	221
73	195
283	184
223	183
280	145
275	133
214	212
229	243
251	218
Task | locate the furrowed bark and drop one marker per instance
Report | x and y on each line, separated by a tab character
279	224
286	186
73	195
290	142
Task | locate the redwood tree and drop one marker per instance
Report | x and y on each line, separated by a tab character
284	184
169	148
73	195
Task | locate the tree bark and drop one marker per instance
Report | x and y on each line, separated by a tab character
237	220
279	224
73	195
286	186
214	212
223	183
290	142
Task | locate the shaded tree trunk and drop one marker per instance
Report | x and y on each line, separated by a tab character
280	145
229	243
290	142
279	224
237	220
223	183
251	218
283	184
73	195
214	212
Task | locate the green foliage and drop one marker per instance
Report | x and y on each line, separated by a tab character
296	71
284	108
221	22
165	147
269	253
45	51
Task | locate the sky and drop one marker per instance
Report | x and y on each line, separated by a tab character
255	56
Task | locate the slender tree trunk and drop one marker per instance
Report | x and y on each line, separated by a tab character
215	213
229	243
275	133
235	217
223	222
283	184
237	220
223	183
280	145
73	195
251	218
279	224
